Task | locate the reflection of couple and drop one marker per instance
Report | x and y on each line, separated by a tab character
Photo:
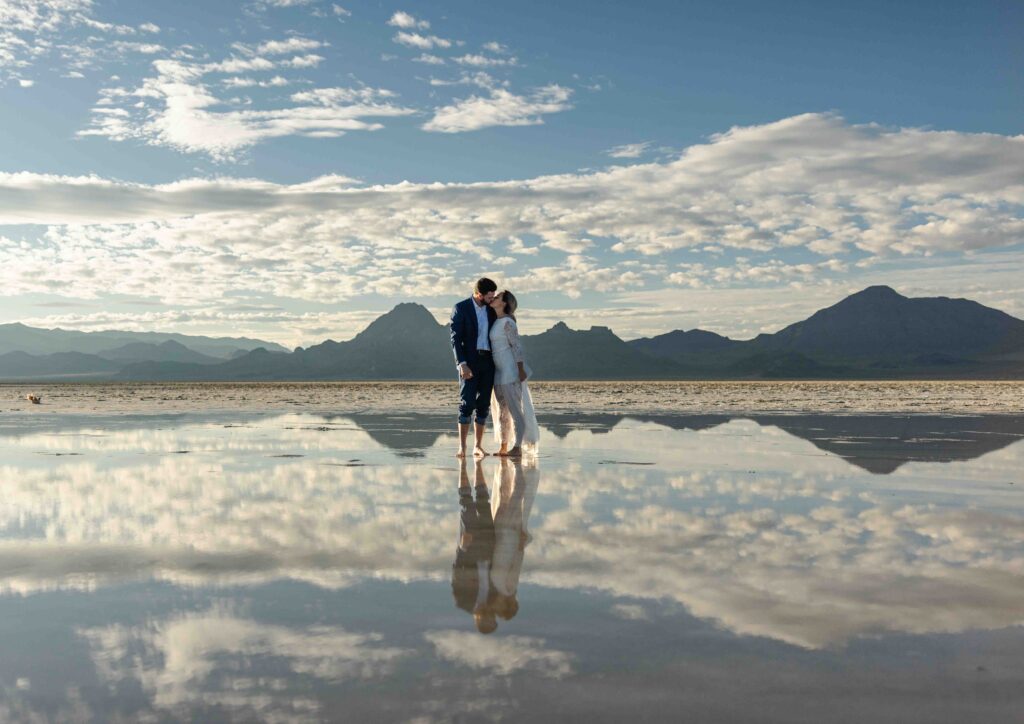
489	552
492	364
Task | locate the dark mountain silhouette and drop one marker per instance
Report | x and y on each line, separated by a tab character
879	324
874	334
596	354
18	337
408	343
680	344
169	351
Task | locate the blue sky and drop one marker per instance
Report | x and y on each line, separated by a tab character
291	169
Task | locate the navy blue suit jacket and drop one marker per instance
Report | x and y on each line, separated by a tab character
464	330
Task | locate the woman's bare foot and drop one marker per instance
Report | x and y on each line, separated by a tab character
461	453
516	452
503	452
479	452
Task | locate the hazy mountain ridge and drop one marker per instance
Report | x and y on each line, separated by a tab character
18	337
876	333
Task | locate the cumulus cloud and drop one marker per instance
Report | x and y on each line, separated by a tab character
406	21
423	42
482	61
30	29
428	59
503	656
180	660
837	194
500	108
629	150
177	108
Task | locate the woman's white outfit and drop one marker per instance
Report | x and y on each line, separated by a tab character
515	422
515	487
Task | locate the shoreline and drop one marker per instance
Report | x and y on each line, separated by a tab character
945	397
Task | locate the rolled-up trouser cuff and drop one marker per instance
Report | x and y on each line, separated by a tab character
463	420
481	420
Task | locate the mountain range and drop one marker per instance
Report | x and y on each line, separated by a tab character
876	333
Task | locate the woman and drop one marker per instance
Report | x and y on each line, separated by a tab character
515	486
515	423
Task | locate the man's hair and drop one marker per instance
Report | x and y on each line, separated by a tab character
484	285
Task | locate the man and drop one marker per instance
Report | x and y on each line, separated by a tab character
471	343
471	578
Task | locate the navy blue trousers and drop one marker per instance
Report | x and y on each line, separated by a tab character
475	393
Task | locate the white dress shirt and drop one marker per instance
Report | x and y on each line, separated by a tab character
483	338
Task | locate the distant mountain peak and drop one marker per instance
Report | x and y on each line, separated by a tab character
410	310
878	291
407	318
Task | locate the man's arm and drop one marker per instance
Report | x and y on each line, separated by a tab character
456	326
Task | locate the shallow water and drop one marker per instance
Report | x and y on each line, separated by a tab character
238	566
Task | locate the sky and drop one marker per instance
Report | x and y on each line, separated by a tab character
291	169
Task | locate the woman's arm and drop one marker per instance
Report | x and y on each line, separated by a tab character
512	335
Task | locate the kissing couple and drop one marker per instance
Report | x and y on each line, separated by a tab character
492	370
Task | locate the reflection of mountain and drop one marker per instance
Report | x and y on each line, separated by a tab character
407	435
877	443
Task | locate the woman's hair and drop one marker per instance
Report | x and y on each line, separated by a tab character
510	303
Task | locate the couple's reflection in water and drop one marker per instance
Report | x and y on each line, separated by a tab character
492	540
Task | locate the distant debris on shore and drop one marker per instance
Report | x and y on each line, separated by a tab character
34	399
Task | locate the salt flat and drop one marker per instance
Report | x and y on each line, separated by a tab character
941	397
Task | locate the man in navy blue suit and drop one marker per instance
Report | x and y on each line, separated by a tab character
471	342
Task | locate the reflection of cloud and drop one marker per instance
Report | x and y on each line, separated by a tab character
215	658
742	524
500	654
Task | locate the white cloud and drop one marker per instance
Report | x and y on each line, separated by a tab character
29	30
501	108
428	59
423	42
808	551
408	22
176	108
495	47
502	656
26	83
629	150
281	47
182	659
482	61
339	11
479	78
275	82
806	200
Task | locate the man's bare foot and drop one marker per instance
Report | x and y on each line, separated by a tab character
516	452
503	452
461	453
479	452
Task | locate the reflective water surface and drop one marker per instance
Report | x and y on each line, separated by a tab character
307	567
